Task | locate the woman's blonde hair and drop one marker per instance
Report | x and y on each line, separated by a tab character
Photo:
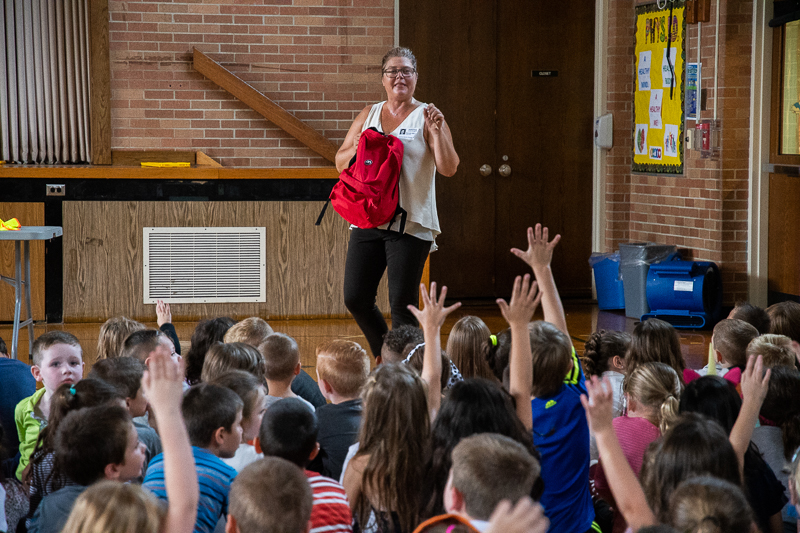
112	336
395	436
465	348
114	506
657	387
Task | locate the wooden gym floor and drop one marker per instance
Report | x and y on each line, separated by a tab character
582	320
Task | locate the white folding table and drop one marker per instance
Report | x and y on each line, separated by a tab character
24	235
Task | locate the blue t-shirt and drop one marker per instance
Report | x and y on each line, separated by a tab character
214	477
561	434
16	384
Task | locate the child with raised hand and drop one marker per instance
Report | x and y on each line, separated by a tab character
112	506
57	359
543	365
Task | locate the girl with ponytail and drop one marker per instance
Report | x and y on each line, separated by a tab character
604	356
652	393
778	436
68	397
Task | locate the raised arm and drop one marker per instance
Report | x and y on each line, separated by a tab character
538	256
162	384
518	313
431	318
350	143
755	383
438	136
627	492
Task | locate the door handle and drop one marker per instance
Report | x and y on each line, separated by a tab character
504	170
485	170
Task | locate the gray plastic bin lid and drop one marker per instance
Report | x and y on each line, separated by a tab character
644	253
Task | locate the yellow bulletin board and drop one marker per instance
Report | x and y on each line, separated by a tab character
658	95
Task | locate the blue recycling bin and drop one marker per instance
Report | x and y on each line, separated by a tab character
687	294
610	292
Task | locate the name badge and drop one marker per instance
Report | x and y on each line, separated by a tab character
407	134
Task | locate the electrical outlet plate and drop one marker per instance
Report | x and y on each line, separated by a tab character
56	189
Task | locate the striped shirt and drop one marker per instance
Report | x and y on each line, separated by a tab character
330	512
214	477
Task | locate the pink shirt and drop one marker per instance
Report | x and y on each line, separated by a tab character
635	435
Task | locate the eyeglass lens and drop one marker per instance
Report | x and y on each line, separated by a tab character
394	72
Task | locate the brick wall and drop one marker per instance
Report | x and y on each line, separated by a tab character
703	211
319	59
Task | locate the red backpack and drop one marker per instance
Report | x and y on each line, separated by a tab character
367	193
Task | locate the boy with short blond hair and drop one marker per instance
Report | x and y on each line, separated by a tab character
775	349
272	495
281	365
730	339
342	370
57	359
488	468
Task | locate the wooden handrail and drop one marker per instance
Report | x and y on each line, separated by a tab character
264	106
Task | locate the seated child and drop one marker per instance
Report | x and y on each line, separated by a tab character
213	417
730	340
125	373
465	347
785	319
205	334
112	336
140	344
222	358
254	331
706	504
654	340
604	356
776	350
289	431
271	494
342	370
252	393
16	384
57	359
41	477
488	468
753	315
398	342
281	365
91	444
115	506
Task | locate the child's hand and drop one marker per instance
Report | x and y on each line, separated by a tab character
526	516
433	312
162	382
525	298
163	314
539	252
599	405
755	382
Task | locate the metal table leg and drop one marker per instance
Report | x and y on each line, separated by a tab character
17	298
29	320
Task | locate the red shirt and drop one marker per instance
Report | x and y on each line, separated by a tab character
330	512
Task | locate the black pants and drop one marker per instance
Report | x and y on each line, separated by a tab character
369	253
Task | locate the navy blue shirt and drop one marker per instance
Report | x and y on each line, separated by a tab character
16	384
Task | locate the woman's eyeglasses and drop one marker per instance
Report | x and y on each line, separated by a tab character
394	72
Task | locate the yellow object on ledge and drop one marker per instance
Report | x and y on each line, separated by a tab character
167	165
11	224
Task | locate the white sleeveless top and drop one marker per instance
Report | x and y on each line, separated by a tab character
417	175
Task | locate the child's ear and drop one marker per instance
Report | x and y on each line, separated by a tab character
718	356
324	386
111	471
36	372
379	360
219	437
297	369
618	363
456	500
314	453
230	525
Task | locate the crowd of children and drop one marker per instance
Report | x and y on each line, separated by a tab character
503	432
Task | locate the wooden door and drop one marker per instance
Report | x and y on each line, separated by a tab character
475	63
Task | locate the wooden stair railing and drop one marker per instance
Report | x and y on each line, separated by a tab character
264	106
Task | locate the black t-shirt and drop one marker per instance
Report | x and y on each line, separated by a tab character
304	386
763	490
338	430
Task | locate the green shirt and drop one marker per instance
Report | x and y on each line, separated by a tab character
28	428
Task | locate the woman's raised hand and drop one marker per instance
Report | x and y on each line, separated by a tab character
433	311
525	298
433	118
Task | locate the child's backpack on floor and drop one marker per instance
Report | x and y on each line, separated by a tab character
367	193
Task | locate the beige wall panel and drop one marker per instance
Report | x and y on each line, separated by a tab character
103	258
28	214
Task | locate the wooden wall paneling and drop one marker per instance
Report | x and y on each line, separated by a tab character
100	80
28	214
103	258
784	234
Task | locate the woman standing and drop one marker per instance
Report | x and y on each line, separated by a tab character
428	147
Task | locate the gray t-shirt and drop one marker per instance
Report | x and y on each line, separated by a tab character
770	443
269	400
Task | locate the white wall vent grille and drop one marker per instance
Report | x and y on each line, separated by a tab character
199	265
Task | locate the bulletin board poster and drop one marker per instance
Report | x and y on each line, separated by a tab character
659	89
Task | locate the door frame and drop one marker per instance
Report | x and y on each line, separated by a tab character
600	108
